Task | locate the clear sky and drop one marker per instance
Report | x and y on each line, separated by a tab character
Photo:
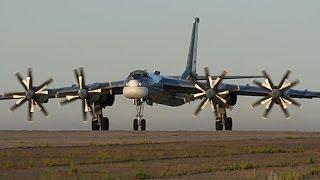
112	38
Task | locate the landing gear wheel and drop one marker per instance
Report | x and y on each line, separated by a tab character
219	126
95	126
143	124
135	125
104	124
228	124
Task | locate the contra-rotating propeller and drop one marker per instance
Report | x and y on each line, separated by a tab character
31	94
83	93
211	93
276	94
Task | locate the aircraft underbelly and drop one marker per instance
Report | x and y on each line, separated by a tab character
167	99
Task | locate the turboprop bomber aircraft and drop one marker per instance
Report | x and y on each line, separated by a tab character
149	88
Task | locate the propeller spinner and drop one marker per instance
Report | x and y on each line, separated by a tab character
210	93
30	95
276	94
83	93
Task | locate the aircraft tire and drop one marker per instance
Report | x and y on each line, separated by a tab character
104	124
95	126
143	124
219	126
228	124
135	125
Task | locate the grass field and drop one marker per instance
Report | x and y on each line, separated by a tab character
159	154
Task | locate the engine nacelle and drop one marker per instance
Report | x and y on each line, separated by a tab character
43	98
231	99
104	99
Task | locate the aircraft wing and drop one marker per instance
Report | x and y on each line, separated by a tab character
248	90
229	77
200	78
113	87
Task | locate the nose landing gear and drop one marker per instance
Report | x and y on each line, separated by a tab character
139	120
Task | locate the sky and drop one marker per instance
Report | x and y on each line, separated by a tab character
112	38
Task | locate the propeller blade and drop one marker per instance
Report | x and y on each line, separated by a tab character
199	107
200	95
32	105
294	83
44	85
264	72
267	110
95	91
205	104
76	75
199	87
67	101
30	78
90	108
294	102
83	81
284	78
86	107
259	102
285	84
80	80
219	79
224	92
267	100
42	108
15	95
207	74
220	99
18	96
284	102
72	97
211	81
284	110
18	104
267	84
84	112
262	85
20	79
30	109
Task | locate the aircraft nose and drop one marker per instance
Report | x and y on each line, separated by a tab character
134	90
133	83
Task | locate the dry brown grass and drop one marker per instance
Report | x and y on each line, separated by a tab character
149	158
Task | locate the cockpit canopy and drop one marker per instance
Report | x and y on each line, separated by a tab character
138	74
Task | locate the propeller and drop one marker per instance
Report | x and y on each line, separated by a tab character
31	94
83	93
276	94
210	93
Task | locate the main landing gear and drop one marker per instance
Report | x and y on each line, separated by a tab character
99	122
223	120
139	121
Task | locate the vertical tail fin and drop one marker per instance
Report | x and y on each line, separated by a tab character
190	71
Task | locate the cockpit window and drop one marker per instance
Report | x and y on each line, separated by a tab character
138	74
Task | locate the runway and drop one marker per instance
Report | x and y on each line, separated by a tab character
158	154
